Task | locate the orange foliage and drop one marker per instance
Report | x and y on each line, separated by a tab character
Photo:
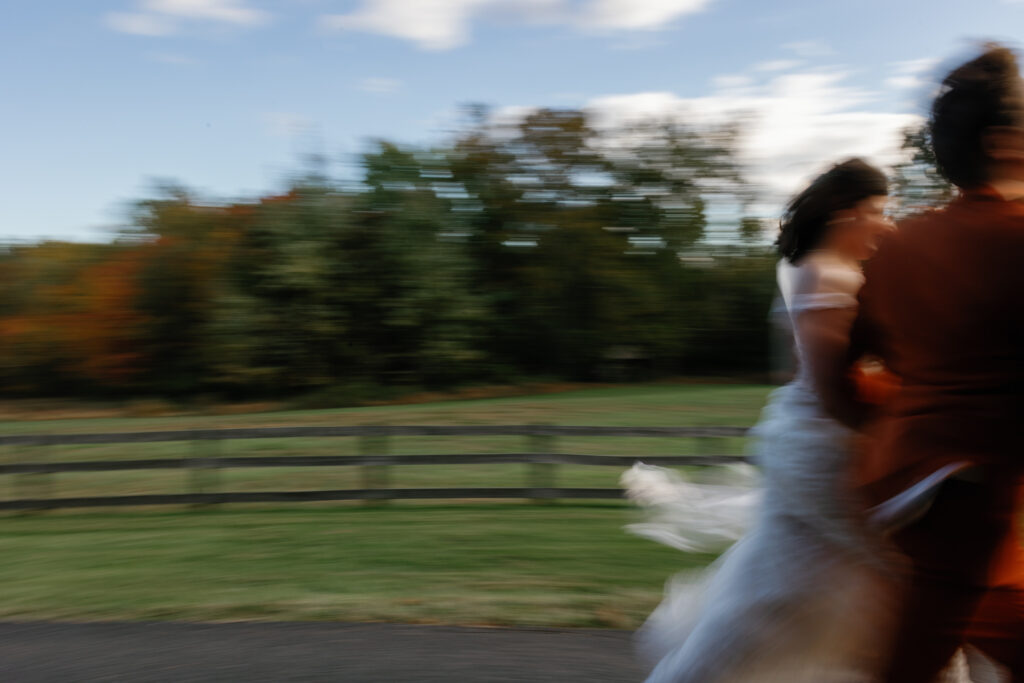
86	324
107	329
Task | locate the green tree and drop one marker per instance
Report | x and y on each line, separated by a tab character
185	244
917	182
545	247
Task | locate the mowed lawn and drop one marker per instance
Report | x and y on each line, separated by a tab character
446	562
506	564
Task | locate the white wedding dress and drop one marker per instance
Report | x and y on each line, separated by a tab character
801	597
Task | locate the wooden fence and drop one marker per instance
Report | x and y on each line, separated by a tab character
375	460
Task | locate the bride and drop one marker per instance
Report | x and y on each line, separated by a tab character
805	594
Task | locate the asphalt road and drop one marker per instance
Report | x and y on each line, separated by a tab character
284	652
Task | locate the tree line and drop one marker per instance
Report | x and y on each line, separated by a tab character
545	249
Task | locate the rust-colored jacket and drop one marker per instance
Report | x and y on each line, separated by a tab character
943	307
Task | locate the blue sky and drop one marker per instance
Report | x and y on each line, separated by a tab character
102	97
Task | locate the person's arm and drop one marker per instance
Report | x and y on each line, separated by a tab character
828	353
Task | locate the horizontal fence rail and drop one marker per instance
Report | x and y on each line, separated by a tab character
310	496
364	430
385	460
375	460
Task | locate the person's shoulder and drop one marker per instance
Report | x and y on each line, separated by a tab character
824	272
919	223
1000	221
911	231
990	224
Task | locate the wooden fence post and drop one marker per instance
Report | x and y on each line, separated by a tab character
204	470
36	485
542	477
376	478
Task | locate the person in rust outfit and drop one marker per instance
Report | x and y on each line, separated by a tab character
943	308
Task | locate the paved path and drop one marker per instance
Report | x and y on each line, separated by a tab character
286	652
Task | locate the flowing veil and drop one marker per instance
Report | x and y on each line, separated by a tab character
693	517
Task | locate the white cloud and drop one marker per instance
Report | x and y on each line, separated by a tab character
510	116
433	24
381	86
164	17
446	24
636	14
141	24
228	11
794	124
911	74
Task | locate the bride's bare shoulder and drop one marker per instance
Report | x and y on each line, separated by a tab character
822	273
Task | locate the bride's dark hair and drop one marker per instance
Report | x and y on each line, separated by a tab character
806	219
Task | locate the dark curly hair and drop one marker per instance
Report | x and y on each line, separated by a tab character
805	221
982	93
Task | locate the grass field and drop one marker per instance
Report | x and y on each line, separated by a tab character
466	564
470	563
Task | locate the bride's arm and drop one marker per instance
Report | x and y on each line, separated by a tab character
826	338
